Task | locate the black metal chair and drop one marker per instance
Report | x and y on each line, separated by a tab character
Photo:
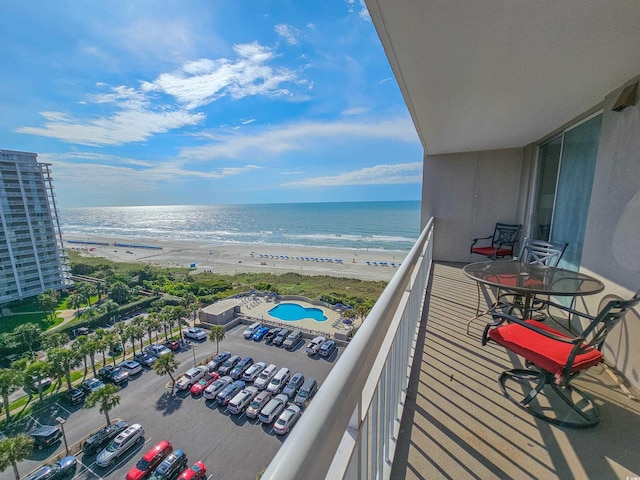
503	241
553	359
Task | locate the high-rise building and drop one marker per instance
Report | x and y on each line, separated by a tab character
32	258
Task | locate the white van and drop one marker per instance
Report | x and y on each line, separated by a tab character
278	382
272	409
265	377
248	333
241	401
123	442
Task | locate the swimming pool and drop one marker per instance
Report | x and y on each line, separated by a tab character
292	312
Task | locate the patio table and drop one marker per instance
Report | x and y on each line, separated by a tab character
528	280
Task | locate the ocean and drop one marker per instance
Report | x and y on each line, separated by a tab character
392	226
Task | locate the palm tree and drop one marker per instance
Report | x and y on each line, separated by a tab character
166	365
139	324
107	397
75	301
217	334
120	330
54	340
91	348
151	324
168	319
10	381
62	361
79	346
36	372
13	450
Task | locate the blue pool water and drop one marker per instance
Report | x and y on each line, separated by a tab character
292	312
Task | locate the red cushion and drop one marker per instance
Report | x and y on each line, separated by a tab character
490	251
511	280
546	353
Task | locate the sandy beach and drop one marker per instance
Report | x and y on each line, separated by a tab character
230	259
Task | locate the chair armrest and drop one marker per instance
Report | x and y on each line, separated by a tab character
475	240
502	317
565	308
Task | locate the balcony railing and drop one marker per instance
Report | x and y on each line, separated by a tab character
350	428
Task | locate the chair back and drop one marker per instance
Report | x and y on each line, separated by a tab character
607	319
506	234
540	252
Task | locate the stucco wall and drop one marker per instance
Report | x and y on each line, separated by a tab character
468	193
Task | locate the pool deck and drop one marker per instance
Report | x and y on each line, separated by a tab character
258	307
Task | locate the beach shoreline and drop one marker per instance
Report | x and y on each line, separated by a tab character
241	258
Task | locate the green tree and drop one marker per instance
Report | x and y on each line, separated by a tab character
10	381
121	333
120	293
75	301
48	301
78	346
91	348
13	450
166	365
216	334
54	340
62	361
36	372
28	336
107	397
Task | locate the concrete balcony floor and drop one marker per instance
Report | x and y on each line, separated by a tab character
457	424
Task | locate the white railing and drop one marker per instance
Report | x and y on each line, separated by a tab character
350	428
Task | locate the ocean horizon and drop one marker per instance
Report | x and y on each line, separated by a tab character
384	225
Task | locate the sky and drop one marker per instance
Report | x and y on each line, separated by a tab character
196	102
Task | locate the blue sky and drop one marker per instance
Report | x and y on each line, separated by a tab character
205	102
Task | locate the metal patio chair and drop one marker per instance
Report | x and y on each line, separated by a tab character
503	241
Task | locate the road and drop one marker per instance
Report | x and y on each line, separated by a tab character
231	447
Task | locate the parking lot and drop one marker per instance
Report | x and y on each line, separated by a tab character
232	447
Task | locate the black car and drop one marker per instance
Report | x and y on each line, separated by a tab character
73	396
270	335
217	361
171	466
281	337
45	436
99	439
240	367
228	364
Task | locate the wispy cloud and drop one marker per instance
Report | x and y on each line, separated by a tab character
401	173
288	33
298	137
355	111
360	7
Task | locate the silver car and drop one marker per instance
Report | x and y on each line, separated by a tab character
253	371
212	391
123	442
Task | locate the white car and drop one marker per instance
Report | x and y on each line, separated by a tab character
248	333
313	347
241	401
272	410
265	377
253	371
157	350
212	391
190	377
287	419
123	442
131	367
195	334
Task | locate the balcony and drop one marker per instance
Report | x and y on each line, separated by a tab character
411	399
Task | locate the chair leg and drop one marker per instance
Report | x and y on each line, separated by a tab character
589	415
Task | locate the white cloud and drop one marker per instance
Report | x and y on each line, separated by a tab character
170	39
287	32
401	173
361	8
355	111
247	122
298	137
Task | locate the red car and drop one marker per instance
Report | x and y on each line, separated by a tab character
202	384
196	472
173	345
150	460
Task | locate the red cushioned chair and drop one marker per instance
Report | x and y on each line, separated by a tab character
554	359
503	241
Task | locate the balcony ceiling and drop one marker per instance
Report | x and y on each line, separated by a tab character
489	74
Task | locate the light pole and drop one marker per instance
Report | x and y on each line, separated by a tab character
193	350
62	421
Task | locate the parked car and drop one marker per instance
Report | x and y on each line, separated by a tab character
257	403
251	329
212	391
253	371
229	392
292	340
145	358
272	409
112	374
150	460
201	385
91	385
307	391
294	384
195	333
313	347
327	348
172	344
63	468
97	440
45	436
171	466
131	367
197	471
241	367
124	441
260	333
190	377
73	396
228	364
241	400
265	377
271	334
115	350
217	361
157	350
286	419
281	337
279	380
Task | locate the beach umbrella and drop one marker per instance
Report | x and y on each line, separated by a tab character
338	306
347	321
